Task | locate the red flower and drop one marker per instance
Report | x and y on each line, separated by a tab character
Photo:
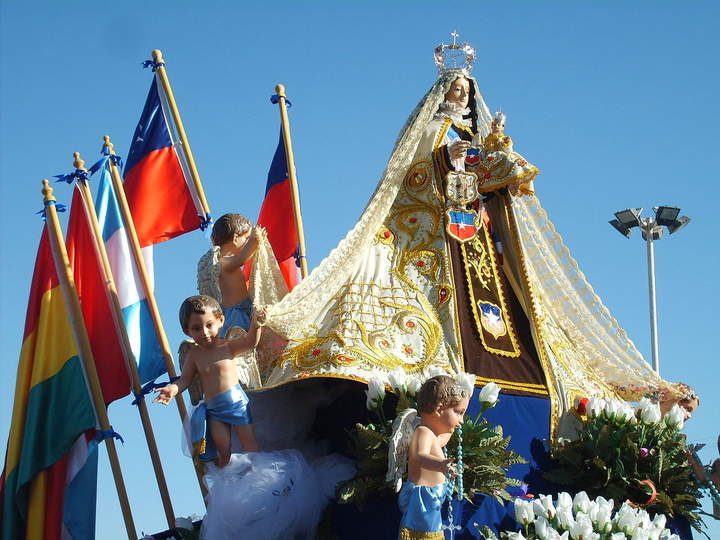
387	234
420	264
490	158
410	324
487	175
413	219
522	162
582	406
316	352
408	350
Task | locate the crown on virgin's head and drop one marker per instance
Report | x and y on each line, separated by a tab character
454	56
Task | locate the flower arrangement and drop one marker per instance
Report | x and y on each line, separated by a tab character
630	454
581	518
485	457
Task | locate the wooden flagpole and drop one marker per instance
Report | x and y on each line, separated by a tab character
67	283
149	294
280	89
114	299
162	73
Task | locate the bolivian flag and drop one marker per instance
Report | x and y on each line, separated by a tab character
51	413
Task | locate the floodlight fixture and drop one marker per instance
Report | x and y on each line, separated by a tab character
629	217
652	229
678	224
622	229
666	215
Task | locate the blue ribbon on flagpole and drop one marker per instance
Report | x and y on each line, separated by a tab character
275	99
77	174
152	63
117	160
105	151
150	387
101	435
58	208
206	222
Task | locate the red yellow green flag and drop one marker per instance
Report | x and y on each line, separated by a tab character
52	409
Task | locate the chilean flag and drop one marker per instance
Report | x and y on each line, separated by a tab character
277	216
159	189
97	312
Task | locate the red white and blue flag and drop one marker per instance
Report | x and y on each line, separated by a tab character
278	218
159	188
461	225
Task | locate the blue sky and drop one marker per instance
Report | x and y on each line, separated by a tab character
616	102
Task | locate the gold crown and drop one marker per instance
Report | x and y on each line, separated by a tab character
454	56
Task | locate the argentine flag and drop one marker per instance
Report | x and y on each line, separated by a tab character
140	328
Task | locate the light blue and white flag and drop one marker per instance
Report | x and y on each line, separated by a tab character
136	312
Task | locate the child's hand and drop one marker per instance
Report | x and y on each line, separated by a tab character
261	315
449	469
166	394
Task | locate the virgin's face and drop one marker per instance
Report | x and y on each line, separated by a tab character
459	92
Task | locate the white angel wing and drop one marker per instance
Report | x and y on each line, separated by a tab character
403	428
208	274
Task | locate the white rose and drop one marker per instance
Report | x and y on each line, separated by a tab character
398	379
618	536
542	528
675	417
582	528
413	385
564	500
595	406
489	393
581	502
515	536
651	414
543	506
375	392
565	517
524	513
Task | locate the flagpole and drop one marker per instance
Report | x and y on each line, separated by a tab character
112	294
149	294
162	73
62	264
280	89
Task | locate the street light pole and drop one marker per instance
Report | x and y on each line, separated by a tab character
652	229
648	226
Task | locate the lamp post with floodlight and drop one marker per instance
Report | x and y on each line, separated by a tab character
652	229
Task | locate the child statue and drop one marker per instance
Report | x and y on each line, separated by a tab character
441	403
211	358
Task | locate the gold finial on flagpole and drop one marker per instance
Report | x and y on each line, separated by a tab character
157	56
47	191
78	162
107	144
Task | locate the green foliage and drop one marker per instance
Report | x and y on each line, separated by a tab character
613	457
486	457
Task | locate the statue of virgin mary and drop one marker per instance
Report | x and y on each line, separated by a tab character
454	266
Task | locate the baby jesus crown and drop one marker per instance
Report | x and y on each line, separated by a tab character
454	56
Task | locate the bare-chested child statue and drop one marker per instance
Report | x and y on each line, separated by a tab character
211	358
234	245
